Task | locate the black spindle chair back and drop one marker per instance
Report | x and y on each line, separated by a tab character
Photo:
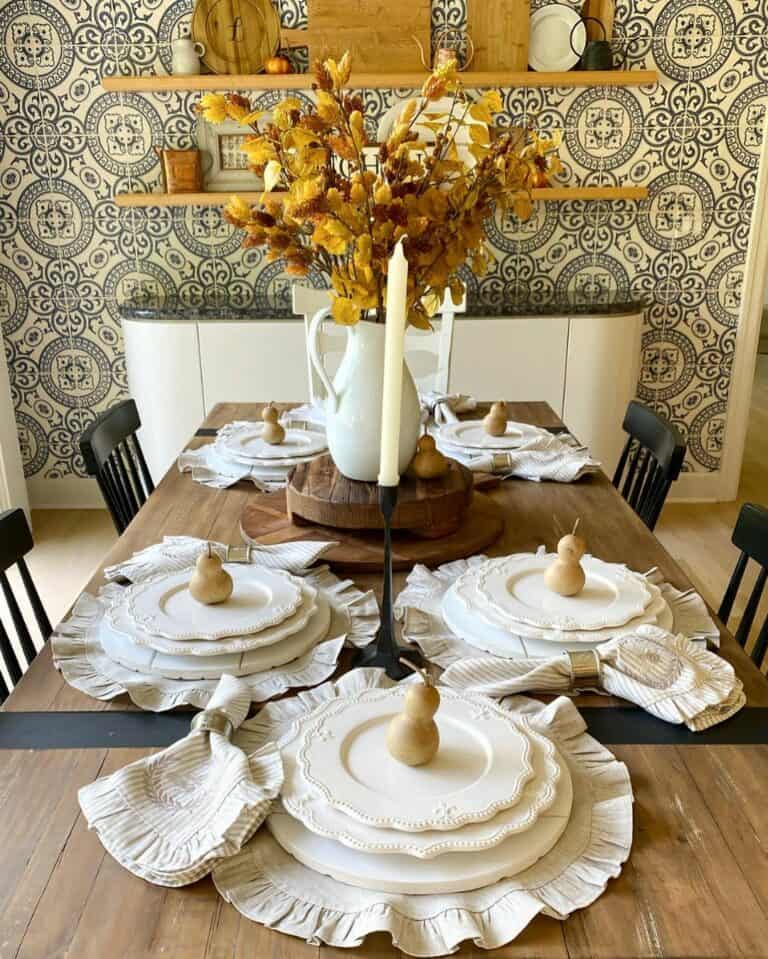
751	536
113	455
650	462
15	543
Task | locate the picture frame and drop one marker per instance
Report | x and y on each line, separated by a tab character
225	166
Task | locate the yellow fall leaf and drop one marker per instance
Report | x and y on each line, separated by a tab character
272	174
344	311
478	133
259	150
213	107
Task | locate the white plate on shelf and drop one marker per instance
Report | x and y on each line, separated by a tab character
483	764
142	659
514	588
549	47
470	434
449	873
308	806
260	598
118	618
479	631
243	443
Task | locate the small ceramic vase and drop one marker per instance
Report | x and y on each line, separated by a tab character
185	57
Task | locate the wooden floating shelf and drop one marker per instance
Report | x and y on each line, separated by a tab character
372	81
553	194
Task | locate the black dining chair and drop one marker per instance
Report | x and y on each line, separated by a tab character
113	455
15	543
650	462
751	536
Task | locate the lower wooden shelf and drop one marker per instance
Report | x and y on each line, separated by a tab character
552	194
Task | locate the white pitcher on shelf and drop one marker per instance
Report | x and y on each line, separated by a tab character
353	401
185	56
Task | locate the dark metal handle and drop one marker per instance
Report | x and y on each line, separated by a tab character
583	23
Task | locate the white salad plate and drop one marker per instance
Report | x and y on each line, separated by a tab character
480	628
260	598
482	766
549	47
120	620
538	796
141	659
515	589
449	873
470	434
243	442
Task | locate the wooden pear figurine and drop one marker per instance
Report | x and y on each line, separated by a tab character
412	736
273	433
565	576
429	463
210	583
495	423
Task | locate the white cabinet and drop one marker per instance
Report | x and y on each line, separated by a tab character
585	367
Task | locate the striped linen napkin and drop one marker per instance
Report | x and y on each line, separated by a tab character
669	676
544	457
171	817
181	552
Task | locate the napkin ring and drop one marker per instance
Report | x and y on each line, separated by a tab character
585	668
214	721
500	461
238	554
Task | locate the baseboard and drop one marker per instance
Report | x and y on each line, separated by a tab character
696	488
71	492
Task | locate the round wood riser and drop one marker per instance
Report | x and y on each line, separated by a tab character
264	521
318	494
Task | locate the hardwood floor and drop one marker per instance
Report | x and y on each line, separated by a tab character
698	535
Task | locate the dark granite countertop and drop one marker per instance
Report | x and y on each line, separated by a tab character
171	309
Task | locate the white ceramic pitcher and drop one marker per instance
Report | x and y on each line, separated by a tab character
185	56
353	401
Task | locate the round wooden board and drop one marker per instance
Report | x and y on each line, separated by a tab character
264	522
318	493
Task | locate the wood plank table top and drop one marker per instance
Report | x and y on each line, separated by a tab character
696	883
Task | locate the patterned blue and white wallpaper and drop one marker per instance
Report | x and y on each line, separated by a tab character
68	255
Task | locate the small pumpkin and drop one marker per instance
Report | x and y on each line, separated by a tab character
277	66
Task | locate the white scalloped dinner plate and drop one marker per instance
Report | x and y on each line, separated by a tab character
243	442
549	46
260	598
141	659
471	434
482	766
308	806
118	618
449	873
480	629
514	588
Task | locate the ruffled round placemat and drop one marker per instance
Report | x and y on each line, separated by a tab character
419	607
267	885
78	653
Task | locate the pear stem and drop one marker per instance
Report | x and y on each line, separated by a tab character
420	671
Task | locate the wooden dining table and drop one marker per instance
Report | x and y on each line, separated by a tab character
695	885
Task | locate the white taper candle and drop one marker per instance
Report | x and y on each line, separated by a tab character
394	351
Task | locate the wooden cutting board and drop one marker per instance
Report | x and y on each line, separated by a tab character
239	36
604	11
499	30
378	33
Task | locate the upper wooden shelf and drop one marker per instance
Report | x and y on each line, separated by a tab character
551	194
303	81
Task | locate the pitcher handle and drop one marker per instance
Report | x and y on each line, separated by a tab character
317	360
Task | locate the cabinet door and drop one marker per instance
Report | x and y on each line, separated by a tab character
163	367
254	362
603	367
512	358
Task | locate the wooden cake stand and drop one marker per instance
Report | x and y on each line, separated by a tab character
436	521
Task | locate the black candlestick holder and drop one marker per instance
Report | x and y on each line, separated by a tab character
384	652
